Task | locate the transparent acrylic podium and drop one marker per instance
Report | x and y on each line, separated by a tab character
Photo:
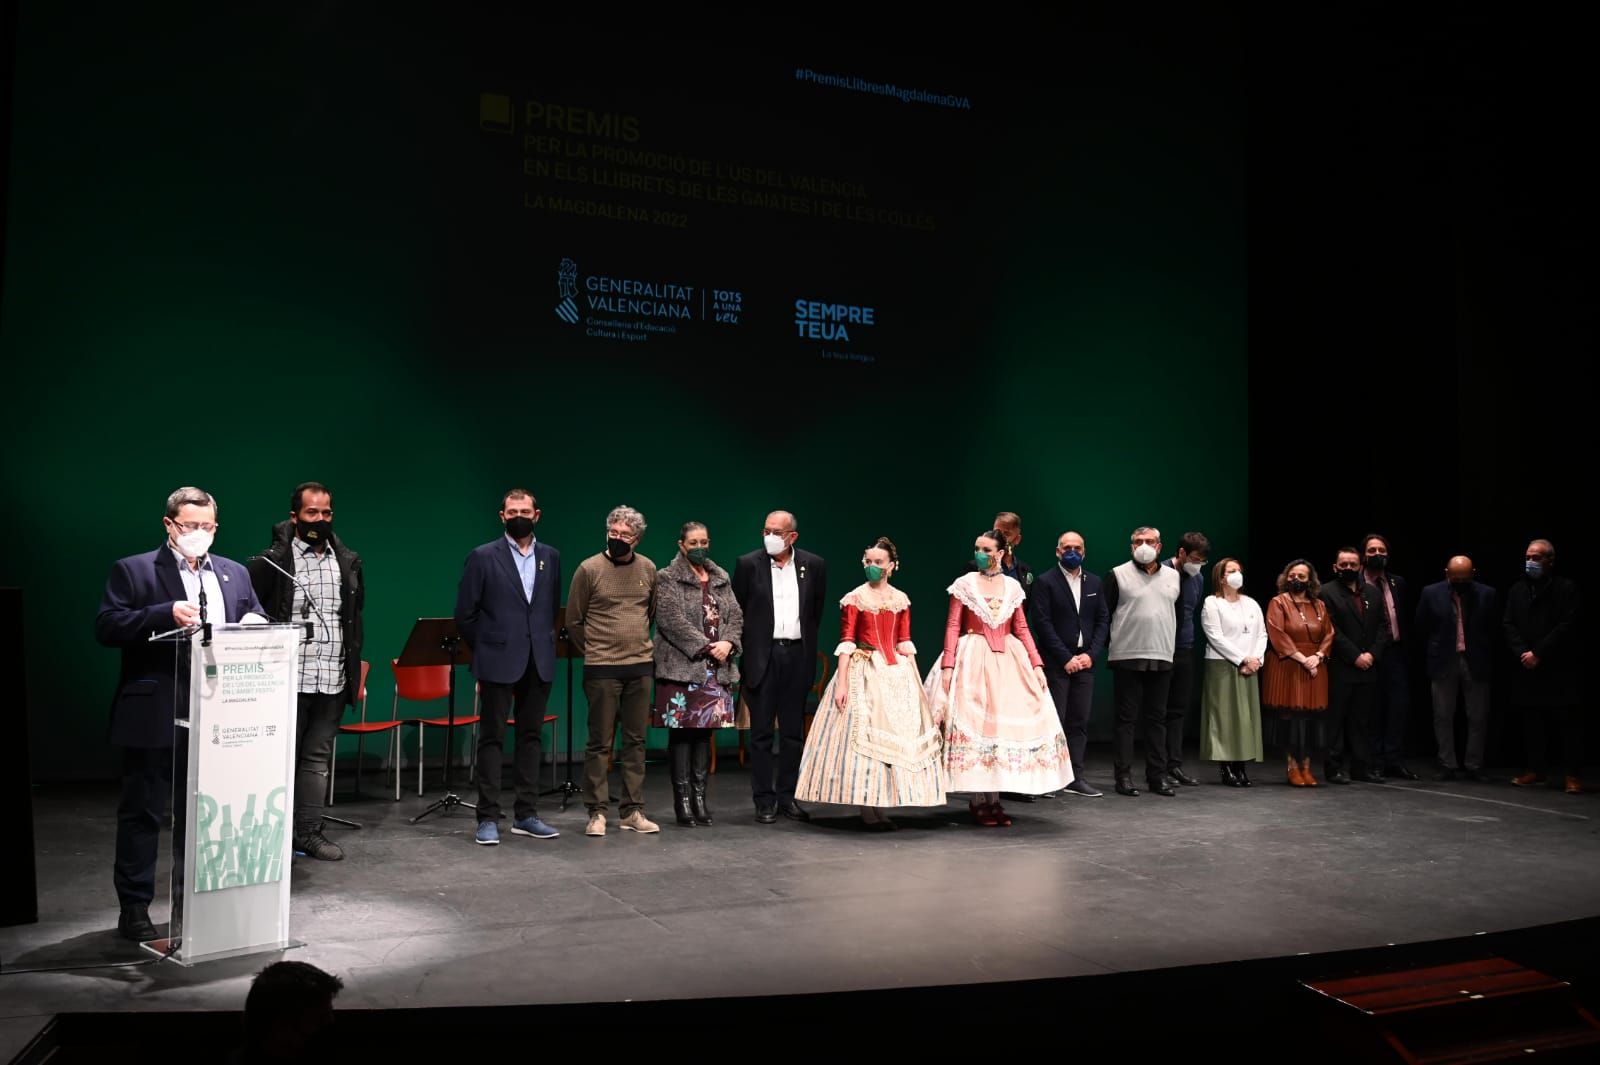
232	792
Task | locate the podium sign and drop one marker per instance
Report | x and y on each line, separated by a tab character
231	892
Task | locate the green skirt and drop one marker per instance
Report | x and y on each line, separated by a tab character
1230	714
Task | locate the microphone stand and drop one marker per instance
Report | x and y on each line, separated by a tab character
305	587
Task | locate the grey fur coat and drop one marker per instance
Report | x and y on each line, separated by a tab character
680	623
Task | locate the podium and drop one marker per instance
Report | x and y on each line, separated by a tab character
233	792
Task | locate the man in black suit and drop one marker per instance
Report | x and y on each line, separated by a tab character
1071	624
1391	702
506	613
781	590
1456	620
182	584
1360	640
1542	631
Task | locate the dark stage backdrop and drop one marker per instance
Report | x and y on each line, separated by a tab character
425	262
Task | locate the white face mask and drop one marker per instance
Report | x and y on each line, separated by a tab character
1192	568
1144	554
773	543
195	544
1235	579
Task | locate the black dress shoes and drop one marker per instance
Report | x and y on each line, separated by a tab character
1161	786
766	814
1125	786
135	923
1399	772
1176	773
1371	776
1337	777
793	811
1445	774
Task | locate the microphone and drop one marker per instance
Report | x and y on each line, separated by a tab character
301	583
205	625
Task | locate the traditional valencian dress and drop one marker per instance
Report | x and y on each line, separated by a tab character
882	748
1001	732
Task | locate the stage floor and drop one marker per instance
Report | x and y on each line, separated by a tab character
419	915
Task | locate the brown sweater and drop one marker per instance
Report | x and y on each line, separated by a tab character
609	611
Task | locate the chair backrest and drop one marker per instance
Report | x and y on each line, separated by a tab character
420	683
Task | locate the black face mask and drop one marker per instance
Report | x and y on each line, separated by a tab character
314	532
519	526
1377	563
1297	586
1349	576
617	548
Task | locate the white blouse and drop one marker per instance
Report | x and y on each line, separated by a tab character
1234	631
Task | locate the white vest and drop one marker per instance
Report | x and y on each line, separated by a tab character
1146	622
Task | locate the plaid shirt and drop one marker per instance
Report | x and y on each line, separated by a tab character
321	657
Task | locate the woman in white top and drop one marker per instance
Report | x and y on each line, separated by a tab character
1230	710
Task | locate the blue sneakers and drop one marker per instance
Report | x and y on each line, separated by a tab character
532	826
488	833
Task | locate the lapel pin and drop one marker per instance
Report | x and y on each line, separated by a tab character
224	576
541	565
802	573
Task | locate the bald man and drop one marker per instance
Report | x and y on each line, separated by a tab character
1456	623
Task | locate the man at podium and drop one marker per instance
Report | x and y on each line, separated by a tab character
181	583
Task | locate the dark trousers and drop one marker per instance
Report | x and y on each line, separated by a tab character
1391	707
1074	698
1349	720
1474	693
146	794
1178	695
779	700
1141	698
316	725
614	702
1538	722
529	696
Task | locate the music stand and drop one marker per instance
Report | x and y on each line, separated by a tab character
564	649
435	642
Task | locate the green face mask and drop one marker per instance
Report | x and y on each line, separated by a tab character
982	559
874	573
699	555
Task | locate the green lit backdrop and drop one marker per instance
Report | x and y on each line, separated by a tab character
244	252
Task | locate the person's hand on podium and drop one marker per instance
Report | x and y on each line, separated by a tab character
185	613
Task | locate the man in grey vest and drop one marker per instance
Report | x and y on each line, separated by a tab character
1142	596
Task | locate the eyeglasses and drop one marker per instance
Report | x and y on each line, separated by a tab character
625	537
195	526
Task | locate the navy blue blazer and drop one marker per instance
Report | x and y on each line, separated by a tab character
496	621
1056	620
137	603
1436	627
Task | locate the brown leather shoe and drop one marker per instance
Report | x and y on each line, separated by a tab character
1295	777
1305	773
1574	786
1522	780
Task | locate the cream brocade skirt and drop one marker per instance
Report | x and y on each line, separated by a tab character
881	748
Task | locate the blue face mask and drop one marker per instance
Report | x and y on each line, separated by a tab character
1533	569
1071	559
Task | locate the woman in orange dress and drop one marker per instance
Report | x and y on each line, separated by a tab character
1295	678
